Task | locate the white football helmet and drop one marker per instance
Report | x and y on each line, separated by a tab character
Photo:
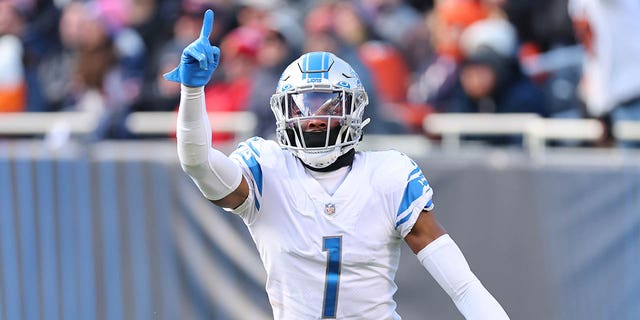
319	105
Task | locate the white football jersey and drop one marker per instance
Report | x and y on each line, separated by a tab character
330	256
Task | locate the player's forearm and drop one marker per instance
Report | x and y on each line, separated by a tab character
193	129
475	302
213	172
446	263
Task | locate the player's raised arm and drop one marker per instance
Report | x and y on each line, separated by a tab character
218	178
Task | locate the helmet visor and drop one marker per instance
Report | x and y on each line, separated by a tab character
310	104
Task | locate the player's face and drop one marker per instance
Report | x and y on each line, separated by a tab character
320	109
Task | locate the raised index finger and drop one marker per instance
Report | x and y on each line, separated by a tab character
207	24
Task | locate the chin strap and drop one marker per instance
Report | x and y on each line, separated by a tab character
342	161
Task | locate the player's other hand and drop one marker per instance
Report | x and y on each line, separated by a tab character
199	59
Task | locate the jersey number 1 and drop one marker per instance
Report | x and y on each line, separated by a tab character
333	246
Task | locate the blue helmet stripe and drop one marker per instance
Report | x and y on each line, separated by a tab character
315	65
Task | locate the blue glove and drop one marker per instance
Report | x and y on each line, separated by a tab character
199	59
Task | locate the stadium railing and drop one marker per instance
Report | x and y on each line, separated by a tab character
450	127
36	123
536	131
627	130
241	124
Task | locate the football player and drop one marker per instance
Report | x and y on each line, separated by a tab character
328	221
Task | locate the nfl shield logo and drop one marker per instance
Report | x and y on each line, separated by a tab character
329	209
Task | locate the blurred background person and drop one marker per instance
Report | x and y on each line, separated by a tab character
491	80
274	54
158	94
374	30
608	31
391	77
492	83
325	31
548	53
409	50
12	74
435	81
229	91
390	19
97	66
55	68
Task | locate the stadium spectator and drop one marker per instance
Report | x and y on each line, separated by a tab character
55	69
390	19
97	69
491	79
391	77
12	75
542	25
321	35
274	54
325	218
492	83
231	88
385	63
608	30
435	83
546	51
157	94
416	37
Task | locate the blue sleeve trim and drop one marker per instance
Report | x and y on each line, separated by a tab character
256	202
248	152
256	170
416	170
429	205
415	188
403	220
252	147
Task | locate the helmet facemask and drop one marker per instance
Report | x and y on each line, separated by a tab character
318	123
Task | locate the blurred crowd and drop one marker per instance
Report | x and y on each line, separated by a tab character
555	58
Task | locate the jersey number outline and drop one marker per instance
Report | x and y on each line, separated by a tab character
333	246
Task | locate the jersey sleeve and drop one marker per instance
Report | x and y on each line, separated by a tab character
416	196
248	156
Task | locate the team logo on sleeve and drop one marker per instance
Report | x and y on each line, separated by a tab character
329	209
